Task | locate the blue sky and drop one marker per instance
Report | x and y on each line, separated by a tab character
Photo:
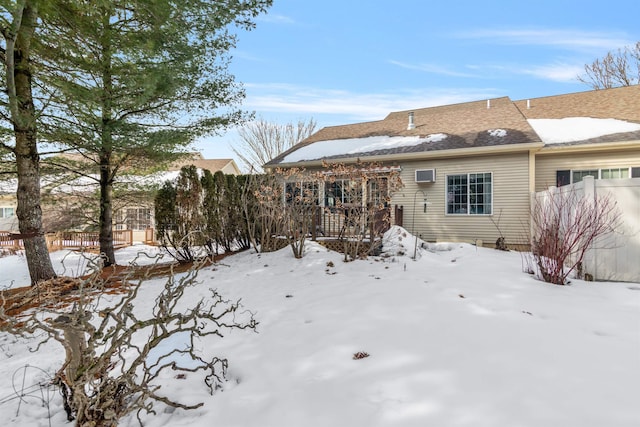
350	61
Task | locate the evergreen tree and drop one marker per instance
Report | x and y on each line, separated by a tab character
165	211
179	215
136	82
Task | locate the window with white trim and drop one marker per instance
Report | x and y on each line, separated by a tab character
6	212
619	173
136	219
578	175
378	191
341	192
302	192
470	194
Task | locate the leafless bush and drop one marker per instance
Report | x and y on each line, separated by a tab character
366	218
115	355
565	225
289	205
263	203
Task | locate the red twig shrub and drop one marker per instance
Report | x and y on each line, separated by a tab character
565	225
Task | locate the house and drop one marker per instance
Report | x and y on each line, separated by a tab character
470	170
133	208
138	215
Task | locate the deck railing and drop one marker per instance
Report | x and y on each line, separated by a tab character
340	222
69	240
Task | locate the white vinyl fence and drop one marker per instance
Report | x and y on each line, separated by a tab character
616	256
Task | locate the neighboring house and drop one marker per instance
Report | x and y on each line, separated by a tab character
226	166
477	164
8	219
139	217
132	211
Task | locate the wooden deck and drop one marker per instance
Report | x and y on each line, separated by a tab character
69	240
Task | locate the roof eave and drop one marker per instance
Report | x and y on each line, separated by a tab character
421	155
592	147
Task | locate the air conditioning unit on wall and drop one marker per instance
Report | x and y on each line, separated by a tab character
425	175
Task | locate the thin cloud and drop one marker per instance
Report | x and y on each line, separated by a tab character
275	18
305	101
555	72
569	39
558	71
431	68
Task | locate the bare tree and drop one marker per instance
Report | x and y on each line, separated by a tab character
617	68
565	225
261	141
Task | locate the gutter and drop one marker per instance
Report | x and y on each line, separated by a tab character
590	147
420	155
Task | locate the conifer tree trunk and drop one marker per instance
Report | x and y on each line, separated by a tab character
29	211
106	215
106	151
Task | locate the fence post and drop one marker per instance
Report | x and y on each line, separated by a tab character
589	188
398	215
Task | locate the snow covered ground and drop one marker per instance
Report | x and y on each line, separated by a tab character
458	337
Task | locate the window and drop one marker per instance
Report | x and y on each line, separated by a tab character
7	212
562	176
577	176
134	219
469	194
619	173
305	192
378	192
342	191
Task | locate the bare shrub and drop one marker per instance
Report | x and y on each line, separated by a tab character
287	205
565	225
263	203
115	355
363	203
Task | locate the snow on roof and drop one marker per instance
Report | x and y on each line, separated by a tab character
571	129
340	147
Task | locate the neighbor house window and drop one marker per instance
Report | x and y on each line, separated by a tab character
134	219
565	177
341	192
7	212
619	173
470	194
577	176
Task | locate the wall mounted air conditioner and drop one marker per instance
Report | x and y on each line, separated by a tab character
425	175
